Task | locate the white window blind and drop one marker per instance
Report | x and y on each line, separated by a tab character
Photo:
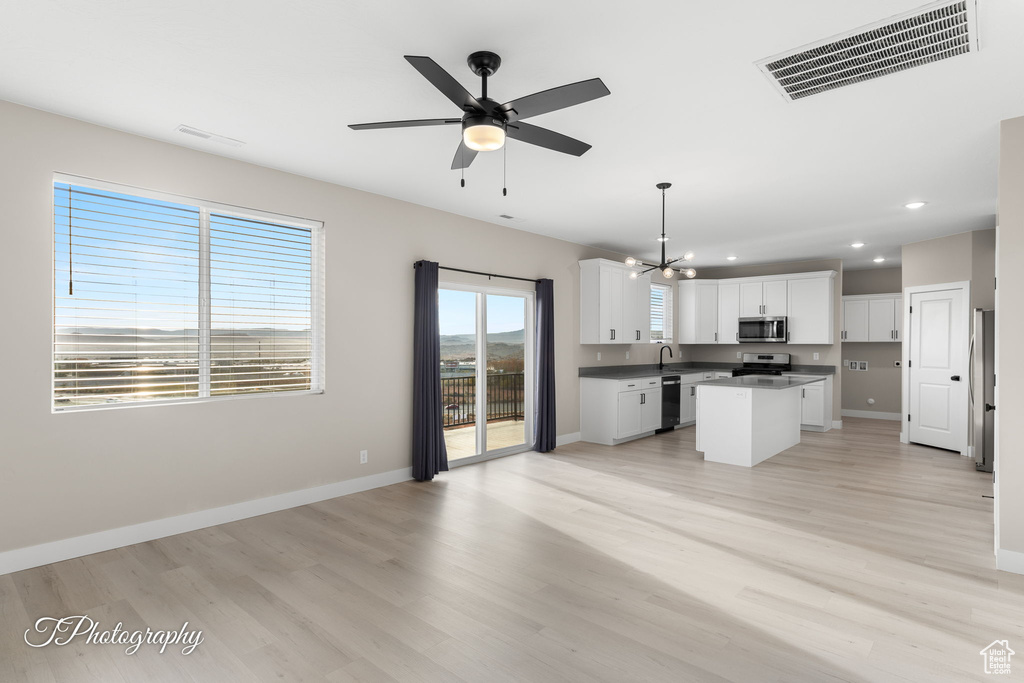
160	299
661	313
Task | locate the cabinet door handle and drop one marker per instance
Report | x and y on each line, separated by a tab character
803	393
737	336
716	336
643	399
613	335
693	391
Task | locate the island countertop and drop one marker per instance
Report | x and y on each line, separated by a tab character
760	382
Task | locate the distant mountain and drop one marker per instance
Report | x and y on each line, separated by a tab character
513	337
499	345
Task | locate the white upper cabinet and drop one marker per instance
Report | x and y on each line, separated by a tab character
776	298
697	311
751	300
614	308
811	318
763	298
899	318
882	320
855	320
872	318
728	313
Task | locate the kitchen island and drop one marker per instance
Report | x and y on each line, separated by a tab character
746	420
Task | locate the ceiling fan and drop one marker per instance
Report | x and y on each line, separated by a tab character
485	123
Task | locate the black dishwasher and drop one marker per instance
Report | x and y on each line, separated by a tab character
670	406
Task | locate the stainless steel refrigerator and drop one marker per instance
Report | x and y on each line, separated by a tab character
983	386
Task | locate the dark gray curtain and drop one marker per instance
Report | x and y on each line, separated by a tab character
429	454
544	401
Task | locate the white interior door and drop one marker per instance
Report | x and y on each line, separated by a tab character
938	369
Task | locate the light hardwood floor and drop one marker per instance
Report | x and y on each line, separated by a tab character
848	558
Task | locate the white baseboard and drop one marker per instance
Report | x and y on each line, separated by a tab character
1010	561
873	414
566	439
837	424
56	551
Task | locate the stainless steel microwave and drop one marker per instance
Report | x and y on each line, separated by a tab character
763	330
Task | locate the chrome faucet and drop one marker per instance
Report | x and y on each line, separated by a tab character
661	356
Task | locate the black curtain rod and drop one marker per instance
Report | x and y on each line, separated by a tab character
477	272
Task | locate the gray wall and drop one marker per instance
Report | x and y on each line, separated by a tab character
966	256
1009	331
882	381
75	473
801	353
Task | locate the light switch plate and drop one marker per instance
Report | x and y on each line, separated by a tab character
846	363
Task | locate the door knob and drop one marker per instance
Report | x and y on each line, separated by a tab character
989	407
955	378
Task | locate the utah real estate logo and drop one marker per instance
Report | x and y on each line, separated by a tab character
997	657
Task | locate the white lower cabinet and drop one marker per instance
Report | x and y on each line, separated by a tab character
812	405
613	411
687	403
816	405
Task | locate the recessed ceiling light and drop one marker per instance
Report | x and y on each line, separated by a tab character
915	205
879	259
857	245
730	258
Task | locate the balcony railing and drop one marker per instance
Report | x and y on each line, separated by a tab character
505	398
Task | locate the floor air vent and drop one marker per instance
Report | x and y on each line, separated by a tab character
927	34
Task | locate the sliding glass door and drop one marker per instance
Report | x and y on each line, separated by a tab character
486	377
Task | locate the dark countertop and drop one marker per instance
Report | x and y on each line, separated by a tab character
683	368
759	382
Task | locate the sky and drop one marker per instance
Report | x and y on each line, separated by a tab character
457	312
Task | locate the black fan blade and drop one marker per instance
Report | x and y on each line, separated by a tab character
404	124
445	82
542	137
554	99
463	157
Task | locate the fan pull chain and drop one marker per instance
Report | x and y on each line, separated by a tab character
462	162
504	173
71	272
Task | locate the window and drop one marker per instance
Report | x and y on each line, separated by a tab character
661	313
163	299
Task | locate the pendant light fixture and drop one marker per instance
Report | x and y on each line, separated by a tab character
665	266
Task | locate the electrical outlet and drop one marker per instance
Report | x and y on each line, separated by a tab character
817	356
739	354
363	456
599	355
627	355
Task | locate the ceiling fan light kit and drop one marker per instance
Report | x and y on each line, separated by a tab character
485	122
666	265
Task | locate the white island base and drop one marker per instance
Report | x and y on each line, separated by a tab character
745	425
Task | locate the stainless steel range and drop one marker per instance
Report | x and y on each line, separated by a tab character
763	364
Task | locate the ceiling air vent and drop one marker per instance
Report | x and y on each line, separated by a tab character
927	34
213	137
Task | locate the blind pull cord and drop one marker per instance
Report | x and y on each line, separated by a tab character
71	272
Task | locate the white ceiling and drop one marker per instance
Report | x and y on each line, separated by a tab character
754	175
